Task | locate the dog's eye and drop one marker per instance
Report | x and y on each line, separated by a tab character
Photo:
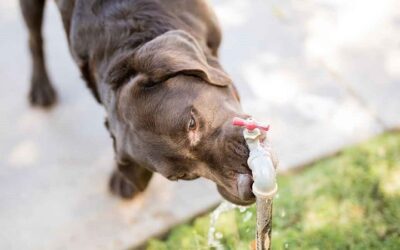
149	84
192	124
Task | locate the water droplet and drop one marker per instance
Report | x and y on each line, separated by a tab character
286	245
219	235
242	209
247	216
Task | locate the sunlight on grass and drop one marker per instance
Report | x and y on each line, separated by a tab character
391	183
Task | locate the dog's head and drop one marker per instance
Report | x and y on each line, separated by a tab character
171	112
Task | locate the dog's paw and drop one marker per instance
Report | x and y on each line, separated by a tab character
120	186
42	94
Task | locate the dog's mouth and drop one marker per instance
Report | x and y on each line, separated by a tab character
240	192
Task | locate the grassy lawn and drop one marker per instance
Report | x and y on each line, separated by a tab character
348	201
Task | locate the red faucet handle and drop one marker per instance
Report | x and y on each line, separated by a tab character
250	125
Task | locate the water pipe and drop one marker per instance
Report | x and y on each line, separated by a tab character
264	177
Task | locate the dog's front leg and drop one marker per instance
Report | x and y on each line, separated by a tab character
129	180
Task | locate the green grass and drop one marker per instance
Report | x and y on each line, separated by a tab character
348	201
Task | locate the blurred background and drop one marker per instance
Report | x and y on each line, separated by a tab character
324	73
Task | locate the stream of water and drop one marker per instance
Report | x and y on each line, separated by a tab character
264	220
215	237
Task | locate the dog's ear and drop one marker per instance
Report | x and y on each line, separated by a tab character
177	52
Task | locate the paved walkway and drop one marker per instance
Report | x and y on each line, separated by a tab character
324	73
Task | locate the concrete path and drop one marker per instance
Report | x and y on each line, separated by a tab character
324	73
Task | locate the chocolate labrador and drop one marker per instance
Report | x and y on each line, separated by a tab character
153	65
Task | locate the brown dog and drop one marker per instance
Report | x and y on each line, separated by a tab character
153	65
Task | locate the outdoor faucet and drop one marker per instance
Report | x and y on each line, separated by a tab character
259	160
264	176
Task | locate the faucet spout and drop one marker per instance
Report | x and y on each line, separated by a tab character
262	168
259	161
